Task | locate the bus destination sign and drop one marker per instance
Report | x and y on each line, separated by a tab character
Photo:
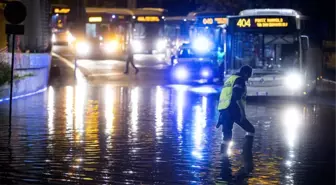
265	23
262	22
217	21
148	19
62	10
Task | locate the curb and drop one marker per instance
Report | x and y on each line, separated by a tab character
70	64
24	95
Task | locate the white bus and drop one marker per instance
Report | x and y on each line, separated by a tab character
148	31
270	41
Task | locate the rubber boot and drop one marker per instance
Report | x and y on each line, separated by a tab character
247	154
224	148
245	171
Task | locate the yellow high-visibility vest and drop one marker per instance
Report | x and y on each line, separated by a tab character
226	94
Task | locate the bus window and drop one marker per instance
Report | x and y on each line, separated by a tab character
91	30
58	21
147	30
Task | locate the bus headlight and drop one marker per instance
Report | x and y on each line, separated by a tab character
83	48
294	81
53	38
70	38
181	73
201	44
205	73
137	45
161	44
111	46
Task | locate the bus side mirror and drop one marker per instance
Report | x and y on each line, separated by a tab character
305	42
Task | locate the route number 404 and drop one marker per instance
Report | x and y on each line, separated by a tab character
244	23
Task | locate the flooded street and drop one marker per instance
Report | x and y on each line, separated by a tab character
106	134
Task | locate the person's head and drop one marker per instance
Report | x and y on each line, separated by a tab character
245	72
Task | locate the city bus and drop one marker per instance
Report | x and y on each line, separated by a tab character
148	31
106	33
208	31
59	25
270	41
177	30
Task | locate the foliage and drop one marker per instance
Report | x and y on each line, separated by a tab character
5	72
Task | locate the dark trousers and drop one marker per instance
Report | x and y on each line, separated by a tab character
130	59
221	72
227	118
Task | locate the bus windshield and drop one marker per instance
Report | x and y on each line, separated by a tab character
100	30
59	21
176	31
204	31
147	30
265	52
266	43
190	53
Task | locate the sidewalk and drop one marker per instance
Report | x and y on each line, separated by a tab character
35	66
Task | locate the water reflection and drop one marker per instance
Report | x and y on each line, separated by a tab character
198	136
135	110
292	120
51	111
69	109
158	111
109	114
120	135
180	102
80	102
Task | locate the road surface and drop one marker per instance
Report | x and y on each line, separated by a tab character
100	131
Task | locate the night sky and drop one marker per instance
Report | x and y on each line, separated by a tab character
320	13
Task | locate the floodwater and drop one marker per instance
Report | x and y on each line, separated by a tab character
104	134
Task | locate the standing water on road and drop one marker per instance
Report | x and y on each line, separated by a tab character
106	134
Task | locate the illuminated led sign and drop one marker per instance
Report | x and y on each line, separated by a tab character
61	10
148	19
207	21
95	19
218	20
262	22
221	20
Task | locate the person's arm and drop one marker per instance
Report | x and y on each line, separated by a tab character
238	91
242	109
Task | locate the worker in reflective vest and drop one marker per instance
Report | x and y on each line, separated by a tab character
231	106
